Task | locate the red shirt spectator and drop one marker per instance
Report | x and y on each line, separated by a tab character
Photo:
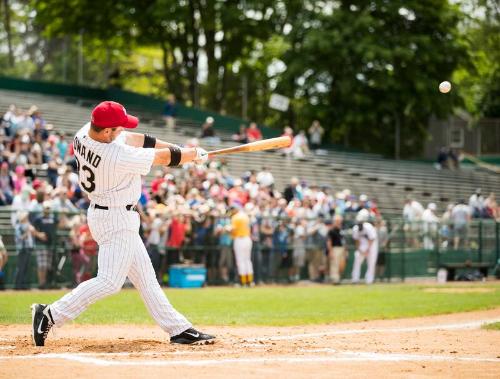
177	233
253	133
87	243
157	181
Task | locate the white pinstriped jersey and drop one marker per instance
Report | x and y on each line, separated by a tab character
110	173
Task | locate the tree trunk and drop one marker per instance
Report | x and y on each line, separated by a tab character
208	23
194	54
6	22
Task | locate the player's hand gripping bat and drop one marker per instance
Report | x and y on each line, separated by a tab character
266	144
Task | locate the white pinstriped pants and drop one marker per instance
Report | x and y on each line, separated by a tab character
121	253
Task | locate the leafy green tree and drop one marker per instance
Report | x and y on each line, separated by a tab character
368	69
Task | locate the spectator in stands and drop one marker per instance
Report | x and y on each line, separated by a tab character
20	179
62	146
170	112
288	132
24	235
268	256
89	248
460	217
299	250
20	203
281	238
6	185
454	158
79	260
336	250
207	128
412	215
8	120
3	261
179	226
46	226
476	204
62	203
316	132
429	226
253	132
293	190
491	206
315	247
445	231
383	245
300	145
252	187
223	232
442	158
155	230
241	136
265	177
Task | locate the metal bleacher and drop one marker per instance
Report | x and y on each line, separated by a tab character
388	181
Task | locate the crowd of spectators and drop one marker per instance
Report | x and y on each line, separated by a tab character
424	227
183	210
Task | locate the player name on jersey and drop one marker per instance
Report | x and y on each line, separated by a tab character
90	156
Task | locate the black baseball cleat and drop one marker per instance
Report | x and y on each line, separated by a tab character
192	337
42	322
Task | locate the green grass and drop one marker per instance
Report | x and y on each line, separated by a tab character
493	326
269	305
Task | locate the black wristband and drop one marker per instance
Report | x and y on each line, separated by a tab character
175	156
149	141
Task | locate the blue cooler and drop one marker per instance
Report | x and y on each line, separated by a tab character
183	276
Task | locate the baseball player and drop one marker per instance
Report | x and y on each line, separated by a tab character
110	163
242	243
366	239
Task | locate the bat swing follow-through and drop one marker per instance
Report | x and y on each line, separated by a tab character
266	144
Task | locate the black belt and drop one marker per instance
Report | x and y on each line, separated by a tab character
129	207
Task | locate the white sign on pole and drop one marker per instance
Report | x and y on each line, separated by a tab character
279	102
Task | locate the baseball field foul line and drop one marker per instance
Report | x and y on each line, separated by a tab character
467	325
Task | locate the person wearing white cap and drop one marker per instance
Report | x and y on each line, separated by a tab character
429	226
365	236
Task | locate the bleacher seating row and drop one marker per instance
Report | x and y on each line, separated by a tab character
388	181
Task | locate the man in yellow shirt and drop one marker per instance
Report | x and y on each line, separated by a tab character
242	244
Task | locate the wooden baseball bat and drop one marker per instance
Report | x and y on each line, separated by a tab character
265	144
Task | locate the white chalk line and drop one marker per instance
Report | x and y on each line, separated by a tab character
347	356
458	326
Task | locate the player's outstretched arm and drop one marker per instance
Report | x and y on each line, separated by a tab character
137	140
176	156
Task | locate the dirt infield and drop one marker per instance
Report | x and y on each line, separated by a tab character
451	346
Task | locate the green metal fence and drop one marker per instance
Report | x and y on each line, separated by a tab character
413	250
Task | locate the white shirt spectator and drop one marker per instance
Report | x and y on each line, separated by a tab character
265	178
476	204
252	188
155	234
413	211
20	203
460	214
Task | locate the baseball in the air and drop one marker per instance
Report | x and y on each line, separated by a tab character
445	87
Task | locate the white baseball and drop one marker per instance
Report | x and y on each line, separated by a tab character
445	87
